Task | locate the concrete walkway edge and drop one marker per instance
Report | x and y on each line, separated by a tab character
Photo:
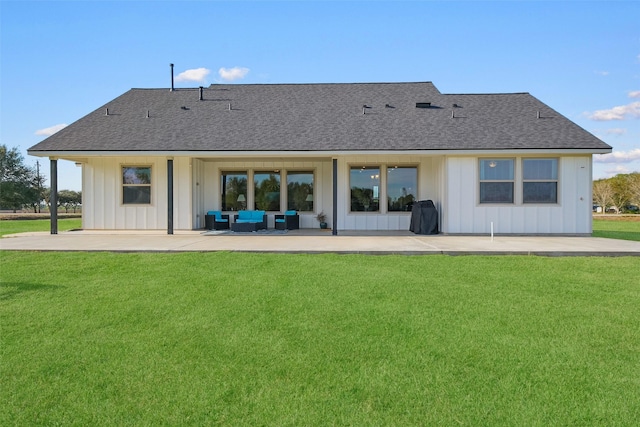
315	243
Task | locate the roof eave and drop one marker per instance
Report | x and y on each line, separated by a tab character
72	155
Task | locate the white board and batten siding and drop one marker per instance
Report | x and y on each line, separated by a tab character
210	174
429	184
465	215
451	182
102	195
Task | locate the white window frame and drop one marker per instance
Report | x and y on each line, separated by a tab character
284	203
545	180
512	180
123	184
383	191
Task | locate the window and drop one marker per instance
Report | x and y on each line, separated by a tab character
496	180
300	191
402	183
540	180
234	191
365	189
136	185
267	191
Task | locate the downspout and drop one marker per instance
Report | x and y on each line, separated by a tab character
54	196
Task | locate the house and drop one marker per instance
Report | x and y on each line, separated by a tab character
155	159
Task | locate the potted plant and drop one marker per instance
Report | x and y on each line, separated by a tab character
322	219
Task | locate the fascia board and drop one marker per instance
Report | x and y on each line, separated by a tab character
329	154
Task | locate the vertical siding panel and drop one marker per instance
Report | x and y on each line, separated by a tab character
88	196
111	195
568	190
100	189
199	193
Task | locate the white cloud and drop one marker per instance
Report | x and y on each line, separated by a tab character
51	130
618	156
617	170
634	94
194	75
231	74
616	131
602	73
616	113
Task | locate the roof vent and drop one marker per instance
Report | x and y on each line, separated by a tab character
184	108
423	105
388	106
365	107
106	112
201	95
171	65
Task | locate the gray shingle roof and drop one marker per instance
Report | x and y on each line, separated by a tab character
319	117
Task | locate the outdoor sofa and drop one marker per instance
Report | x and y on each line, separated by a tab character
249	221
287	221
215	220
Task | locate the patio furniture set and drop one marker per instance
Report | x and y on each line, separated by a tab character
248	221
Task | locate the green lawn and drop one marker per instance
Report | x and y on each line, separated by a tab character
304	340
23	226
617	229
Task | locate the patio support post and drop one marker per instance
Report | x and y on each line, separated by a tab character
170	195
334	226
53	210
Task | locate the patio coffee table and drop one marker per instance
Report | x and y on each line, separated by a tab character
244	227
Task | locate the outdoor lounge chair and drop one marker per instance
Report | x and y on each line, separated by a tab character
287	221
215	220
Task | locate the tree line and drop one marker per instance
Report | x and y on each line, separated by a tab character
22	186
619	194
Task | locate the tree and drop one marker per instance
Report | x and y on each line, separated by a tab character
621	191
20	185
69	199
603	194
634	188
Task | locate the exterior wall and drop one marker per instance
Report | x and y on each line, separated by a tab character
102	195
429	177
450	181
429	187
464	214
211	186
197	213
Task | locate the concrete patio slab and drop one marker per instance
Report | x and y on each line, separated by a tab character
312	241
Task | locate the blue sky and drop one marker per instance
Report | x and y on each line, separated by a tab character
61	60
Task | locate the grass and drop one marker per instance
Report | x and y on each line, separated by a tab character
613	227
288	340
24	226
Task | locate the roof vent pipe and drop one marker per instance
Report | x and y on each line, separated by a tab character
229	106
538	116
147	114
106	113
171	65
201	96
